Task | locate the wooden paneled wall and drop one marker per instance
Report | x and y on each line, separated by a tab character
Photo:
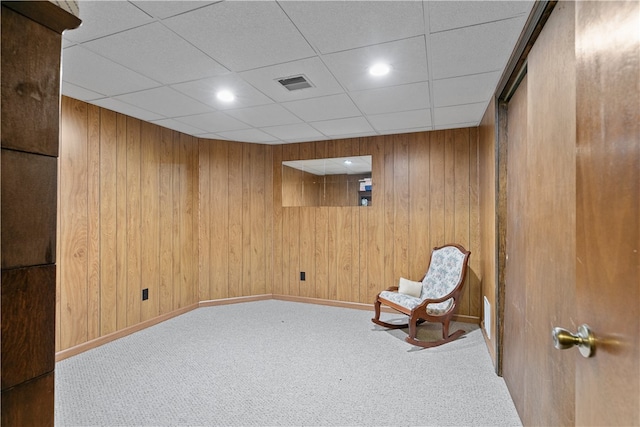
127	220
194	220
425	193
236	228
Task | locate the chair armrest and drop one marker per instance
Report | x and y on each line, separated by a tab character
389	289
453	294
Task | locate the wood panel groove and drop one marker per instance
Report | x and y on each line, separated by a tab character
134	213
166	196
121	222
107	220
93	221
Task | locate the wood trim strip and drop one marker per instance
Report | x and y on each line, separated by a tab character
501	228
327	302
235	300
81	348
359	306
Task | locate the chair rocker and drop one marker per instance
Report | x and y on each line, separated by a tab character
434	299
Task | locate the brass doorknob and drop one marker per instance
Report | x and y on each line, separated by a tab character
584	340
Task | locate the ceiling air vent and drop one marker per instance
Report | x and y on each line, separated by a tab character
295	82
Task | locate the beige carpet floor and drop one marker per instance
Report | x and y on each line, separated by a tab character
277	363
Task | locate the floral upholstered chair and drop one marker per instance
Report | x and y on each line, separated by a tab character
434	299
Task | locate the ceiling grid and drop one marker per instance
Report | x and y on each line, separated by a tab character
164	62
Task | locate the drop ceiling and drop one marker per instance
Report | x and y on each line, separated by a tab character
164	62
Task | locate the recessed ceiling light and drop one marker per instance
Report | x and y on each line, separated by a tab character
347	162
225	96
379	69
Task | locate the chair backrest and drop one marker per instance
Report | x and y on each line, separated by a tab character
446	269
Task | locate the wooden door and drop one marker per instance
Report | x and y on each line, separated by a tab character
607	210
515	321
540	227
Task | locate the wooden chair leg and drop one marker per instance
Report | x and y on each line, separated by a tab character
445	329
411	338
377	321
413	329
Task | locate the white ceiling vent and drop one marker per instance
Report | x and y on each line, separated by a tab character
295	82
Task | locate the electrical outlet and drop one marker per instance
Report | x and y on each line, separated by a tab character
302	276
145	294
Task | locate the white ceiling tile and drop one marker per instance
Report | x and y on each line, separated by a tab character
179	126
93	72
265	115
472	50
213	122
243	35
100	18
165	101
127	109
407	58
266	80
299	131
464	90
158	53
470	113
446	15
77	92
205	91
343	127
165	9
160	60
248	135
413	96
401	120
323	108
340	25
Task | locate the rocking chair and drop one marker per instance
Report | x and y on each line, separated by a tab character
434	299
